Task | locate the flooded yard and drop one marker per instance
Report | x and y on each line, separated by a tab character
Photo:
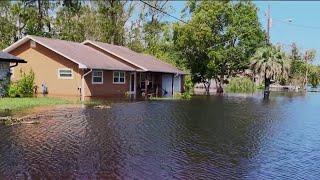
230	137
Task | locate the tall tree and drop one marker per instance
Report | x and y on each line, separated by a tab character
7	26
113	16
153	26
68	24
309	56
300	65
219	39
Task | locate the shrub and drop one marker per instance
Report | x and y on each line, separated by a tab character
13	90
188	85
241	85
186	95
314	79
24	87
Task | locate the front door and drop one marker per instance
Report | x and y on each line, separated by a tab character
167	84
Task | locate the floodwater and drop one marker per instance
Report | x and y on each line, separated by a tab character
230	137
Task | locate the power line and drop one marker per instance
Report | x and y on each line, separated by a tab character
298	25
198	28
163	12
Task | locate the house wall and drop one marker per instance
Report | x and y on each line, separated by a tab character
108	88
4	77
45	64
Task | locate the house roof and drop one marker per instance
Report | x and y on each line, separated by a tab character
145	62
6	57
84	56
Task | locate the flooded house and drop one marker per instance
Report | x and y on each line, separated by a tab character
7	61
94	69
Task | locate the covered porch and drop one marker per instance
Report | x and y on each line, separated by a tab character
155	84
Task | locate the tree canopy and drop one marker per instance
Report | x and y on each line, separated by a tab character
219	39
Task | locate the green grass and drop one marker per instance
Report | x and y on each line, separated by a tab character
241	85
25	103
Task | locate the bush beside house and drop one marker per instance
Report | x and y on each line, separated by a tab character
24	87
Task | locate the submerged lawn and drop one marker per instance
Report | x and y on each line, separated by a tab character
24	103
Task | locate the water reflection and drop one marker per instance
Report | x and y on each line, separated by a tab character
228	137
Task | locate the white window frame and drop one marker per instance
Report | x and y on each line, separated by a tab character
59	69
92	77
124	77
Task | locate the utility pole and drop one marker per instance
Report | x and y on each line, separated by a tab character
268	24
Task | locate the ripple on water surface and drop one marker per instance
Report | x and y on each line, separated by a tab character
204	138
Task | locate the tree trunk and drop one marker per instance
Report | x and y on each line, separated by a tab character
220	88
207	87
267	82
40	16
306	80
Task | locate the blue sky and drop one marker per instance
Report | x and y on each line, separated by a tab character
304	28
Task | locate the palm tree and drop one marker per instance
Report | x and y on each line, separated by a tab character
271	63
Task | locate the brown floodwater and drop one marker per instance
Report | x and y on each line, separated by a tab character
227	137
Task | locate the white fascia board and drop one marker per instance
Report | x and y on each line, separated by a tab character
25	39
16	44
81	66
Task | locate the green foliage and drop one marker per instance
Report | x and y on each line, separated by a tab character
219	39
271	63
314	79
314	76
300	65
188	84
241	85
7	28
24	87
185	96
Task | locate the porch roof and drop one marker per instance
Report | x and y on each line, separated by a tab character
6	57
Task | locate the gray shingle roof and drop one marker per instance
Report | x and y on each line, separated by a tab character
146	62
10	58
84	55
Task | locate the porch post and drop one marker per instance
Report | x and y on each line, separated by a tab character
172	85
83	83
135	85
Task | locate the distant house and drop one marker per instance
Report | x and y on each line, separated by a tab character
6	60
94	69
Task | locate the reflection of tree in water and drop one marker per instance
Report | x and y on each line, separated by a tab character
222	135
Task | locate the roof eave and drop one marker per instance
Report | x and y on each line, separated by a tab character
28	37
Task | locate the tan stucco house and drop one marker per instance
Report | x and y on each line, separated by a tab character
93	69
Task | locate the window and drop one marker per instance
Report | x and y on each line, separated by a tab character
97	77
118	77
65	73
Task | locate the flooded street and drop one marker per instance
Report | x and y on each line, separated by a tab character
228	137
